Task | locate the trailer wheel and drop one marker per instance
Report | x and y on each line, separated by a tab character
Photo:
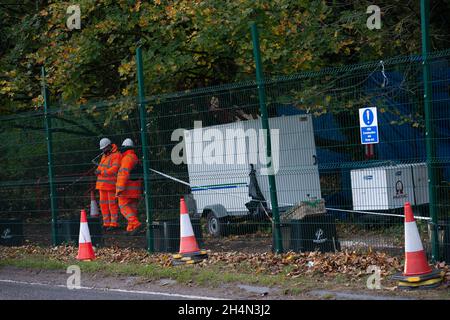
214	225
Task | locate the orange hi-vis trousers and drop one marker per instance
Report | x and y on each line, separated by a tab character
109	208
128	208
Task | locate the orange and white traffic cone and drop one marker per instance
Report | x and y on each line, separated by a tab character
415	258
85	249
417	272
94	212
188	243
189	250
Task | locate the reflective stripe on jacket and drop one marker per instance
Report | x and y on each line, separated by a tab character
108	167
127	187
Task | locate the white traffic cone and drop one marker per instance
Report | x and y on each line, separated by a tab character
85	249
189	251
417	274
188	243
415	257
94	212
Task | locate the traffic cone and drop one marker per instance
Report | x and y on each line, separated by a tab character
417	274
85	250
190	252
94	212
415	259
188	243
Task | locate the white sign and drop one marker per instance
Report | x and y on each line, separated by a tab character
368	123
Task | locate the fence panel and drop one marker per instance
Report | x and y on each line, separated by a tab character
207	145
24	193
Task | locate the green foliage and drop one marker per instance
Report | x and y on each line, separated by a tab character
191	43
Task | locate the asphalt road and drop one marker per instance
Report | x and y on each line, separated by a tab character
27	291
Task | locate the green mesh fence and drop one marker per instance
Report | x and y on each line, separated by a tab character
208	146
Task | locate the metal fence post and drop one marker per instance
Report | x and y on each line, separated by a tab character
143	128
429	135
48	133
265	126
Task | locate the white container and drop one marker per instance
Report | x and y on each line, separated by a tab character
297	178
382	188
225	184
420	179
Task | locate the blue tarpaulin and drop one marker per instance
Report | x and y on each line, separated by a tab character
399	140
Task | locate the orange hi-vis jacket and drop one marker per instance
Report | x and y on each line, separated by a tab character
108	167
127	184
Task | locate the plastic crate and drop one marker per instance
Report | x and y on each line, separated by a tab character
166	234
68	231
316	232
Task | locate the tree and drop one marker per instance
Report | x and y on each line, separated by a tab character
192	43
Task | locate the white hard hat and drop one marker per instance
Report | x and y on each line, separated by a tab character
127	143
104	143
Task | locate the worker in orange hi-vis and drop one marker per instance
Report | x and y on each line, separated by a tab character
106	183
129	185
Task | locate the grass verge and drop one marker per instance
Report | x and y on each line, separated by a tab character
216	275
212	276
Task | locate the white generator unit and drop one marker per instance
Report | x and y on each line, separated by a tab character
219	159
389	187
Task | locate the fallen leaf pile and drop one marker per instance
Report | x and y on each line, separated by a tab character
66	253
348	263
328	264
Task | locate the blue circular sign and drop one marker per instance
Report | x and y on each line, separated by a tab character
368	117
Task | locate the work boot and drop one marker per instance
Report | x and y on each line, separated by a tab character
112	227
135	228
132	223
